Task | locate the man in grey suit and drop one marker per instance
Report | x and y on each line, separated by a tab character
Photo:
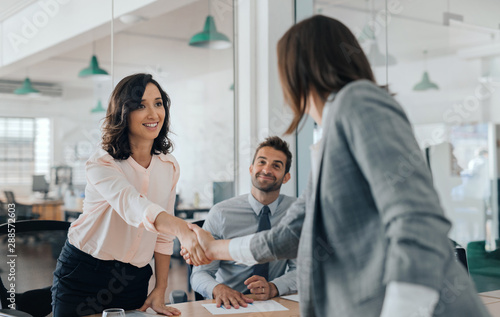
226	281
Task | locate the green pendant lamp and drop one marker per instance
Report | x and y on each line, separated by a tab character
376	58
26	88
425	83
209	37
98	107
94	70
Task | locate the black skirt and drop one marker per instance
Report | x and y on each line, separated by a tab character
84	285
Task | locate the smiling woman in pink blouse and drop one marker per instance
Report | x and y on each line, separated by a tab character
127	213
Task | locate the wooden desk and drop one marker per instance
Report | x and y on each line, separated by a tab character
492	302
195	309
47	209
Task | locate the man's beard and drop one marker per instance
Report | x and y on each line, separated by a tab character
276	185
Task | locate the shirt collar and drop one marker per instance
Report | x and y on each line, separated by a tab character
257	206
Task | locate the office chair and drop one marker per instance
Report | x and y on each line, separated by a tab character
35	263
180	296
23	212
3	212
460	254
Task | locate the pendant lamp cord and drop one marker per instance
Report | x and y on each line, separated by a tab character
112	43
425	60
386	45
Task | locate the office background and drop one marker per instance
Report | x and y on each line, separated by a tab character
441	59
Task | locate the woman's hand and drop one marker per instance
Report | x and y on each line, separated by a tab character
166	223
189	243
156	301
204	239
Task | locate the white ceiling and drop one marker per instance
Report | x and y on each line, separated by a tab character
9	7
418	25
158	44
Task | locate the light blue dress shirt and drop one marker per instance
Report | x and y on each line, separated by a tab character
237	217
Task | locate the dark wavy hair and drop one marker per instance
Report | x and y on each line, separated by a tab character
126	97
318	54
279	145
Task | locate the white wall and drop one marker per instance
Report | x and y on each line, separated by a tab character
202	119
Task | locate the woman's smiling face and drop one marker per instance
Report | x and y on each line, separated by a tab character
146	121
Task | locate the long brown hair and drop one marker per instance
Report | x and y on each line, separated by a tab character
125	98
319	54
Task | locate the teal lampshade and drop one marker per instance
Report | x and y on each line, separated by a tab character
491	72
209	37
93	69
425	84
376	58
98	107
26	88
367	34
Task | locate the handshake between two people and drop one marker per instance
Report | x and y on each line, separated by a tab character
210	249
199	247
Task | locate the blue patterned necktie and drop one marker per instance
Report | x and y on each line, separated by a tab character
264	224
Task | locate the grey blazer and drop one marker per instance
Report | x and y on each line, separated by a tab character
370	217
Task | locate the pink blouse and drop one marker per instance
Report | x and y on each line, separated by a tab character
122	201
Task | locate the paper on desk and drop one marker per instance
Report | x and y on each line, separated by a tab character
294	297
255	307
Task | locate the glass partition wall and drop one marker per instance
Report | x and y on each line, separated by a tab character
441	59
74	53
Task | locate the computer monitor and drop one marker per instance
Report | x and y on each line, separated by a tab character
40	185
223	191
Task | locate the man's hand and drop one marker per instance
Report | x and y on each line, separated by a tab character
190	244
166	223
204	238
156	300
225	295
262	289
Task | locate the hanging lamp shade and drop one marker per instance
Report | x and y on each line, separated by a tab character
98	107
94	70
425	83
209	37
26	88
376	58
491	70
367	34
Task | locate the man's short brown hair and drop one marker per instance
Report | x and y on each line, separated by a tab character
279	145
